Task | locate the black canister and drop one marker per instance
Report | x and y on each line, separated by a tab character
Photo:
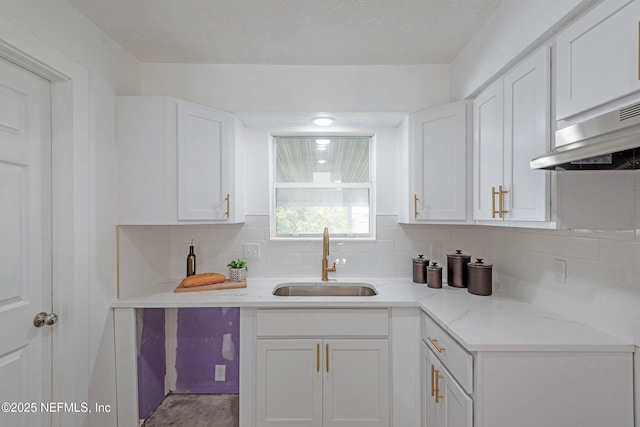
434	275
457	275
480	277
420	269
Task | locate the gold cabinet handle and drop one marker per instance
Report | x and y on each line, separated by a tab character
500	193
501	205
226	199
493	202
433	380
415	206
434	342
437	377
317	357
326	351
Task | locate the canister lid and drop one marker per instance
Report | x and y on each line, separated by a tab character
421	260
434	266
479	264
458	254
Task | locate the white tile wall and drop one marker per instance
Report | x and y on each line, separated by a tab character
389	256
603	267
154	257
603	276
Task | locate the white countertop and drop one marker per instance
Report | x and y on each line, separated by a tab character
479	323
391	293
503	323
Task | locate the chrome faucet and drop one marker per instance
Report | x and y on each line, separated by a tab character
325	255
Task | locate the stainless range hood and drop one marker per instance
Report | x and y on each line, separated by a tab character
610	141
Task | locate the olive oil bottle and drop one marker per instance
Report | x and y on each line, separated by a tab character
191	261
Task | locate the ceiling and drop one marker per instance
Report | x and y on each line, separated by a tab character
291	32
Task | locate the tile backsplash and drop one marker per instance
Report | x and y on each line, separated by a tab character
602	288
390	255
603	267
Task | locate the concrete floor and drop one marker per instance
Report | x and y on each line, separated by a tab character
196	410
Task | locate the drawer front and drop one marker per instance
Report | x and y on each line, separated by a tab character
322	322
452	355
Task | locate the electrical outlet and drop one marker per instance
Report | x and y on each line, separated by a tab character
251	251
221	372
559	271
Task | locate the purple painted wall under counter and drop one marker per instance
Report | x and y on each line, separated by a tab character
152	365
206	337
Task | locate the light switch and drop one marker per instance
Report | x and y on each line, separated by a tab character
251	251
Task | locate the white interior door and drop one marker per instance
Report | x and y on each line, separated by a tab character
25	246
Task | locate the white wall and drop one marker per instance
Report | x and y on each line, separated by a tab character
266	88
258	88
111	70
514	29
297	88
603	280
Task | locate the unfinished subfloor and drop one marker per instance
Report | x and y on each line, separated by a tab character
196	410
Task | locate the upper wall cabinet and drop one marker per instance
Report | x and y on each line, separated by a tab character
597	57
176	163
510	127
439	156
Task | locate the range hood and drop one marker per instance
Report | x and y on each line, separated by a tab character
610	141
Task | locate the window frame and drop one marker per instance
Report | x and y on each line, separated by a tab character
371	185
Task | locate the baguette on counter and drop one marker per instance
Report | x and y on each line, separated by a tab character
202	279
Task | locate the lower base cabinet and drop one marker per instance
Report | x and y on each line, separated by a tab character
324	380
586	388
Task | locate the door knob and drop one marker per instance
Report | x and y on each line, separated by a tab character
43	318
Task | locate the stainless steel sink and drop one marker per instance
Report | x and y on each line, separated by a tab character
322	289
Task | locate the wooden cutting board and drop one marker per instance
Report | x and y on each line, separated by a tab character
227	284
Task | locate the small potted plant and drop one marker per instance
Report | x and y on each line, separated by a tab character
237	270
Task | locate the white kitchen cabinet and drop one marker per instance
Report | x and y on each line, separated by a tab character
597	57
446	403
289	382
356	382
487	150
177	163
322	382
323	378
511	126
522	387
431	415
439	157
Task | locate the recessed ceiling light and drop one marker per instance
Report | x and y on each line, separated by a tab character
322	161
323	141
323	121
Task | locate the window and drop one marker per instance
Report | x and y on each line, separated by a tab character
322	182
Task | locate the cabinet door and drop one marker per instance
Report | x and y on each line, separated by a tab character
456	406
289	383
146	160
356	385
204	163
487	150
432	412
439	143
597	57
526	135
